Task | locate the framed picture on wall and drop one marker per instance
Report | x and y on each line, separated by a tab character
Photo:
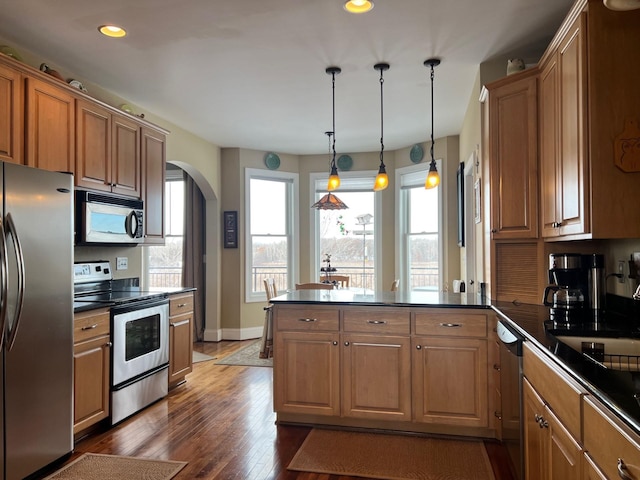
461	204
230	221
477	206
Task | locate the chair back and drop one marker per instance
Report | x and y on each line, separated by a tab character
314	286
395	285
343	280
270	288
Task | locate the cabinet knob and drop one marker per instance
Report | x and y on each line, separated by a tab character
108	344
622	470
346	344
418	347
496	367
498	415
493	230
335	343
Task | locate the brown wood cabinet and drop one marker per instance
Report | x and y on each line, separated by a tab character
586	97
91	367
11	116
513	155
50	123
153	164
180	337
108	150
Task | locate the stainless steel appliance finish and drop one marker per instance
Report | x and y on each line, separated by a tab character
106	219
511	395
140	356
36	362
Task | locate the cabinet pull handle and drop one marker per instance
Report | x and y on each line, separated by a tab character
177	324
377	322
622	470
308	320
180	305
498	415
496	367
346	344
90	327
542	423
451	325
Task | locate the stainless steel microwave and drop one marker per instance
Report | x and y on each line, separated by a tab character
108	219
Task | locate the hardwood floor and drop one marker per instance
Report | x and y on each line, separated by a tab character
221	421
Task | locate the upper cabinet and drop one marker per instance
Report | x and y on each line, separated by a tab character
108	150
50	123
513	155
588	94
11	108
153	164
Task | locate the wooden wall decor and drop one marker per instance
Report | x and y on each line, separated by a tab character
627	147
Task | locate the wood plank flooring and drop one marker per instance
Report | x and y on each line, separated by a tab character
221	421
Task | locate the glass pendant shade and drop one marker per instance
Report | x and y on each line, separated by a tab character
433	178
334	179
329	202
382	179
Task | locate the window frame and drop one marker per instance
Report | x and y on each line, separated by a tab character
292	227
315	261
402	216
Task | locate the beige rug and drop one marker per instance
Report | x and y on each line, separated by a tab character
95	466
201	357
393	457
247	356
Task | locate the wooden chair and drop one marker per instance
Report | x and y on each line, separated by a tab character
266	345
395	285
343	280
314	286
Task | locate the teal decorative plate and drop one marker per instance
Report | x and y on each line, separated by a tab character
345	162
416	154
272	161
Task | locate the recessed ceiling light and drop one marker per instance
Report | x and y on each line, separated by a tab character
358	6
112	31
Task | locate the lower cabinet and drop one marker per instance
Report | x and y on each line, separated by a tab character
180	337
91	367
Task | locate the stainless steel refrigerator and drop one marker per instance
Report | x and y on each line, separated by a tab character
36	314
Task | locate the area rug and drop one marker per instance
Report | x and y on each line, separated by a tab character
247	356
201	357
393	457
95	466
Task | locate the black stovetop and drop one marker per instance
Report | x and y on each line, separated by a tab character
111	293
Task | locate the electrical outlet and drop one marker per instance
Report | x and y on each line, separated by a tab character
621	271
122	263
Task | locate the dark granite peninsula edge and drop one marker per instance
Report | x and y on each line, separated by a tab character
615	389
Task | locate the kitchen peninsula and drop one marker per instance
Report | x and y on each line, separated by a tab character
410	361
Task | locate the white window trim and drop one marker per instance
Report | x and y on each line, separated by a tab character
292	227
315	260
401	222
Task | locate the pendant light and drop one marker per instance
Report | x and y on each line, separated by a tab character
330	201
382	179
433	178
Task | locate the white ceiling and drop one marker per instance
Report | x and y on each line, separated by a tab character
251	73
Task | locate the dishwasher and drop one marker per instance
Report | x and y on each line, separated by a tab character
511	394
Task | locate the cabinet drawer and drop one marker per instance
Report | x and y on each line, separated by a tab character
90	324
450	324
179	304
607	439
307	318
380	320
563	394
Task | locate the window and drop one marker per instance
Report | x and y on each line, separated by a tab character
271	230
420	220
349	236
165	261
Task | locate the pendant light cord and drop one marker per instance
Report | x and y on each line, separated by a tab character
432	140
333	96
381	118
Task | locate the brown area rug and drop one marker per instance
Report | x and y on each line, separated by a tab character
247	356
393	457
95	466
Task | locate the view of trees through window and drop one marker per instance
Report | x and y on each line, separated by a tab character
423	238
165	261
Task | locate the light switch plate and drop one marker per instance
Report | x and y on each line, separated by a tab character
122	263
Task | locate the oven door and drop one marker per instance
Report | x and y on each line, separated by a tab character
140	335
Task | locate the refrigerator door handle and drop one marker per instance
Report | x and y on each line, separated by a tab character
4	284
11	230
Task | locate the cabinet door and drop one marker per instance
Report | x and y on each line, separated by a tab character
513	137
50	127
93	146
180	346
450	381
589	469
549	149
564	451
376	378
574	206
535	435
306	373
91	360
11	107
153	177
126	168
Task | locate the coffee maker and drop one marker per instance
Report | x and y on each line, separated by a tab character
577	284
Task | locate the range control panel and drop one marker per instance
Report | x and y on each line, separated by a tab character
92	271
